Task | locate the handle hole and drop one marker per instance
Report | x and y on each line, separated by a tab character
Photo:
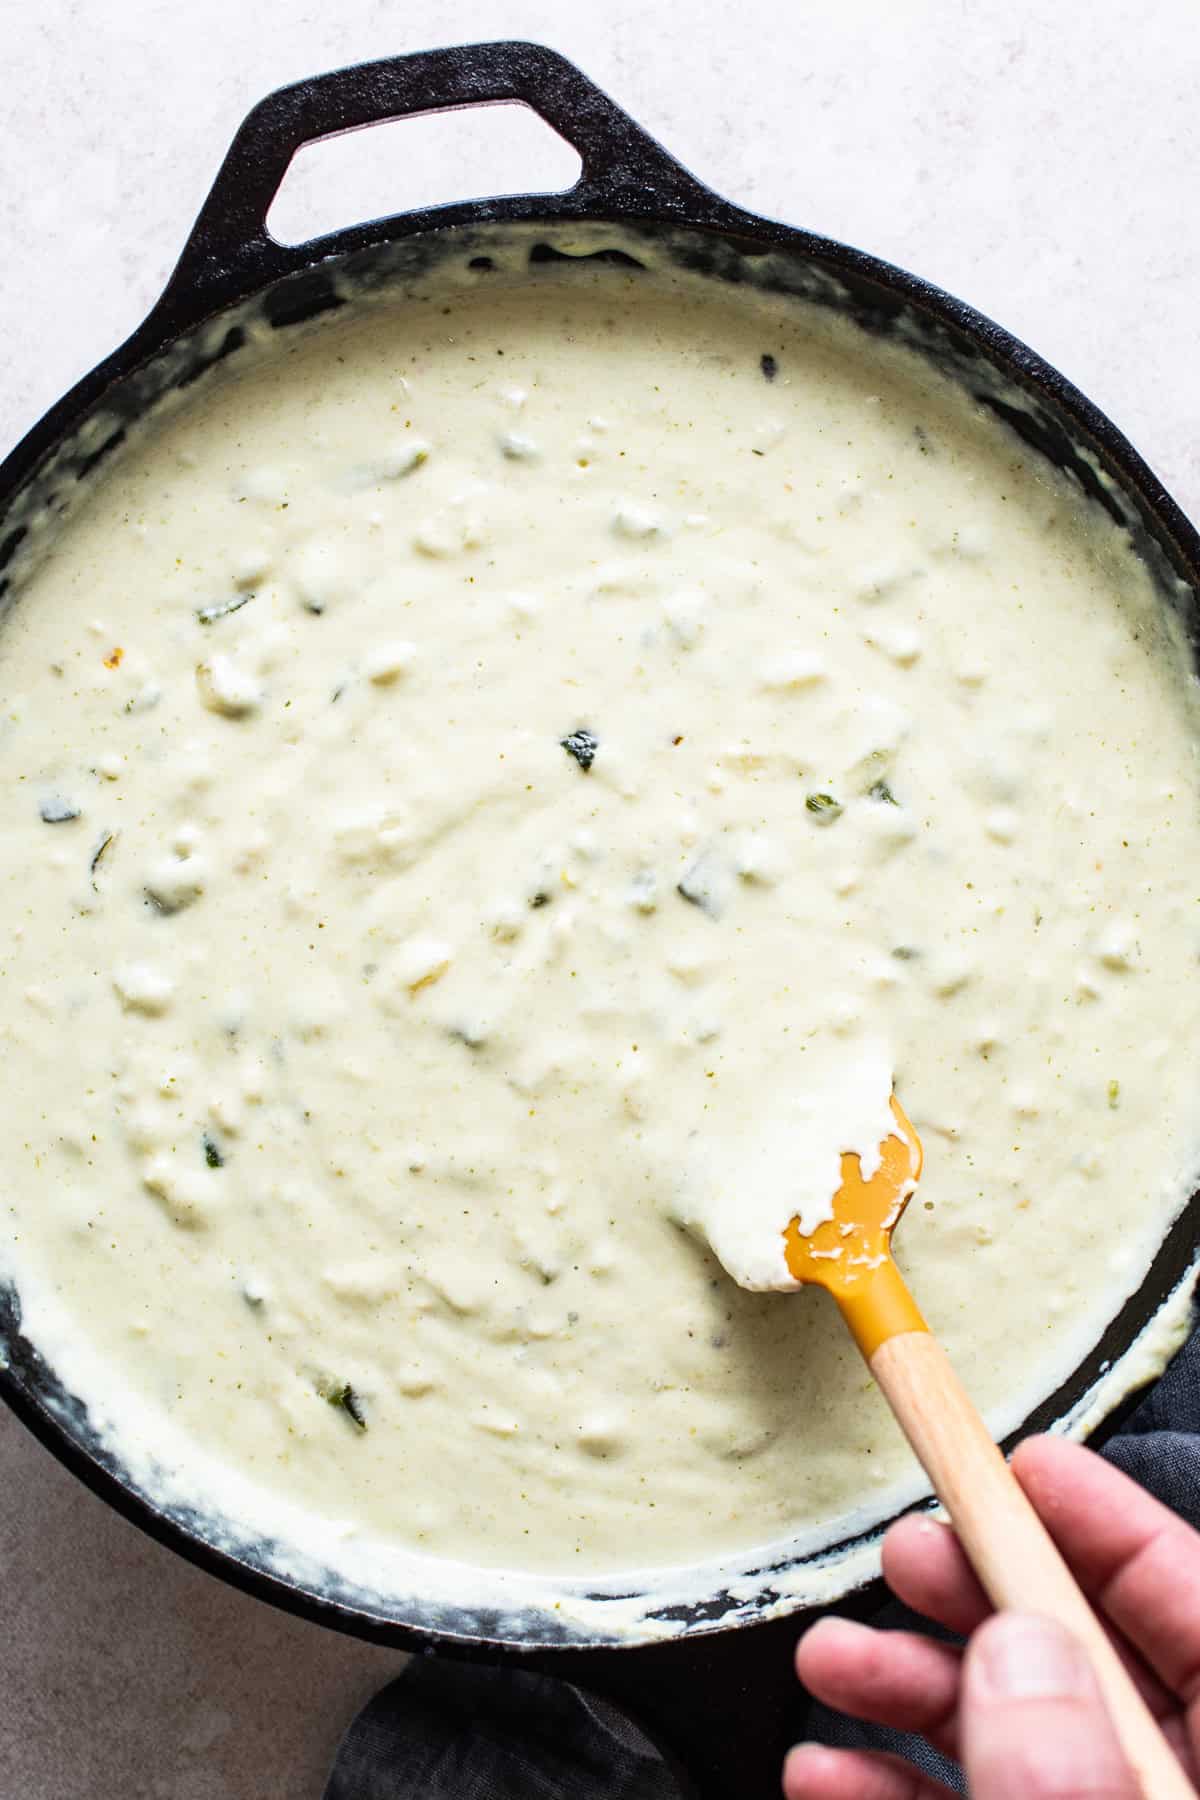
431	160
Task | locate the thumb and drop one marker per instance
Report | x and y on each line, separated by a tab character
1033	1724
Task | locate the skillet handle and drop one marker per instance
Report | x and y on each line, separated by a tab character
230	250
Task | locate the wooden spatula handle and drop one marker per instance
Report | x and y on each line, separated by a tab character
1009	1547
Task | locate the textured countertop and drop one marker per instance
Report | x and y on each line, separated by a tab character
1039	161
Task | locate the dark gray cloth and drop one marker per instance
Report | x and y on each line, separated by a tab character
454	1731
460	1731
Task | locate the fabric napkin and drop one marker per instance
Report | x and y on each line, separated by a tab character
453	1731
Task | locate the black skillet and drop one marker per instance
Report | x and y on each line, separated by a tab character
722	1696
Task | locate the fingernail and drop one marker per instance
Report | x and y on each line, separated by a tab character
808	1760
1022	1657
831	1626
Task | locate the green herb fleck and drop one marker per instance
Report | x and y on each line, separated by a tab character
343	1396
221	609
1114	1095
582	745
905	953
824	808
881	791
98	857
212	1153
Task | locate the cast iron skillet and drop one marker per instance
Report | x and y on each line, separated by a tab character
722	1695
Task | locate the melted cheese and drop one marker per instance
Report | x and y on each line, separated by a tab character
478	776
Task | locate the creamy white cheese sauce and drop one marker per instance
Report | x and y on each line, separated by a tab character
742	1192
475	776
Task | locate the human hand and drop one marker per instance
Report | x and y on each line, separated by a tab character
1020	1707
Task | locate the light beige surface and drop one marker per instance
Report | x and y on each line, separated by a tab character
1036	162
126	1672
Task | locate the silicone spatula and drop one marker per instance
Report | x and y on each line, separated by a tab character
1013	1555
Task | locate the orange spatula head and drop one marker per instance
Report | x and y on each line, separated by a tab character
851	1254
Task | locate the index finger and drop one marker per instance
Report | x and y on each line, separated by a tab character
1135	1558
